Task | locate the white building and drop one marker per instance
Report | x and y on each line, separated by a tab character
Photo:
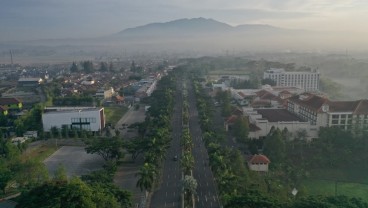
309	81
322	112
105	94
264	119
86	118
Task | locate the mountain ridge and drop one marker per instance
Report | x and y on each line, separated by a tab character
195	25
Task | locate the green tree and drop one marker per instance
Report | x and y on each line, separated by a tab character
268	81
241	129
108	148
146	175
187	162
73	194
87	66
274	147
5	176
189	185
74	68
111	67
104	67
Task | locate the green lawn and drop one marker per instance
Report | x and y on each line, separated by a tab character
39	153
329	187
351	182
114	114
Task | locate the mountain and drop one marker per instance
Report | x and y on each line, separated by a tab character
194	27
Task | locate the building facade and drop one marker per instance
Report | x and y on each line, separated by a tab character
322	112
266	119
81	118
309	81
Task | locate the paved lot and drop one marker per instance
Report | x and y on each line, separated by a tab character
75	161
130	117
125	175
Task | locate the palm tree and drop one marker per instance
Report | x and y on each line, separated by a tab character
187	162
189	188
146	177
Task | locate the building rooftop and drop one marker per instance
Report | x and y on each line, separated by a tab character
70	109
259	159
316	102
30	79
9	101
278	115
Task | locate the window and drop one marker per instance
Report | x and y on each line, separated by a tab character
335	121
335	116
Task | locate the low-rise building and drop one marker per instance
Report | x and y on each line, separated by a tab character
264	119
259	163
29	81
81	118
105	93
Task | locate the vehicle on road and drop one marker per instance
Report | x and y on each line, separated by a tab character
175	158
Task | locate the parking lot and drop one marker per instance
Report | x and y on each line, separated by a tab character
75	161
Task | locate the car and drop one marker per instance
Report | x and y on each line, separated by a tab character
175	158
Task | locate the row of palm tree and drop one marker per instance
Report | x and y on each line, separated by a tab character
187	159
156	136
227	165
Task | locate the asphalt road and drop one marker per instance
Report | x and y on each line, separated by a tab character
206	191
169	192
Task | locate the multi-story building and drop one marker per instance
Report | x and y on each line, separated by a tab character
307	80
265	119
322	112
86	118
105	93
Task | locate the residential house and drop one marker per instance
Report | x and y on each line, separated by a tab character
11	103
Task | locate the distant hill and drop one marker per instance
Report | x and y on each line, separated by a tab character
194	27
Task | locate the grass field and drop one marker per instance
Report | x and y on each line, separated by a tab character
330	188
351	182
113	114
39	153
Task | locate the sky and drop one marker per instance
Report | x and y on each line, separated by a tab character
53	19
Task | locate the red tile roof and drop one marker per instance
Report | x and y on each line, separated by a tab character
310	101
261	93
231	119
257	159
315	102
9	101
242	94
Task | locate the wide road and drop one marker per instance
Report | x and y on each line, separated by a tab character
206	191
169	192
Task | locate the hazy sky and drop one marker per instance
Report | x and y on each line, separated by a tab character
38	19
